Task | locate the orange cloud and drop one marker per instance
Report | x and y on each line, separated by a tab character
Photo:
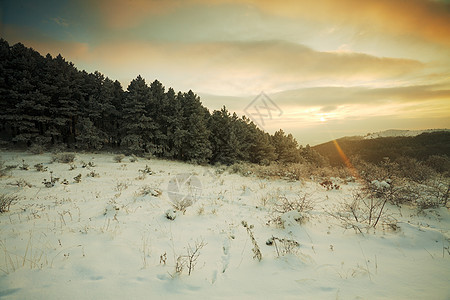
423	18
126	14
428	19
249	66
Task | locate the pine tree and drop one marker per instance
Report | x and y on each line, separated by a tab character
261	150
286	147
138	126
156	110
223	137
89	136
195	144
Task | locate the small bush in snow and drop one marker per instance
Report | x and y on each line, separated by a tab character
329	185
301	204
148	190
6	201
171	214
283	246
64	158
24	166
4	169
146	170
40	167
52	181
121	185
93	174
77	178
290	211
22	183
118	158
182	204
256	250
240	168
368	207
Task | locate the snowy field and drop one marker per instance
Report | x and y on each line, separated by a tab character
108	237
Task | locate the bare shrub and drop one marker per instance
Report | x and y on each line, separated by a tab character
240	168
368	207
171	214
24	166
283	246
433	194
412	169
301	204
77	178
93	174
291	171
144	172
329	185
21	183
2	168
256	250
40	167
121	185
5	169
190	259
6	201
118	158
287	210
64	158
149	190
182	205
440	163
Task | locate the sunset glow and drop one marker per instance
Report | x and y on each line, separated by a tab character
356	66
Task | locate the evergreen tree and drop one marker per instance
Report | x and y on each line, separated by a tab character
137	125
261	150
157	112
223	138
89	136
286	147
195	144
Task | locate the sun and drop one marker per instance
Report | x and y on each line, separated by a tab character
322	119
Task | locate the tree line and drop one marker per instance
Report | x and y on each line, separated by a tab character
429	148
47	101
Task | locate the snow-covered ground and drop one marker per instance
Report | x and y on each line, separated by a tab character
104	238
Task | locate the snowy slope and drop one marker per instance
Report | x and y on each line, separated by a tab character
103	238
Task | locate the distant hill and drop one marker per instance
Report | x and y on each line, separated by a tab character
399	132
375	149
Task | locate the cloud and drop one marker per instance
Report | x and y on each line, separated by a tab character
127	14
233	68
429	20
328	97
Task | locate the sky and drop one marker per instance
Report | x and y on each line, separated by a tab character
318	69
